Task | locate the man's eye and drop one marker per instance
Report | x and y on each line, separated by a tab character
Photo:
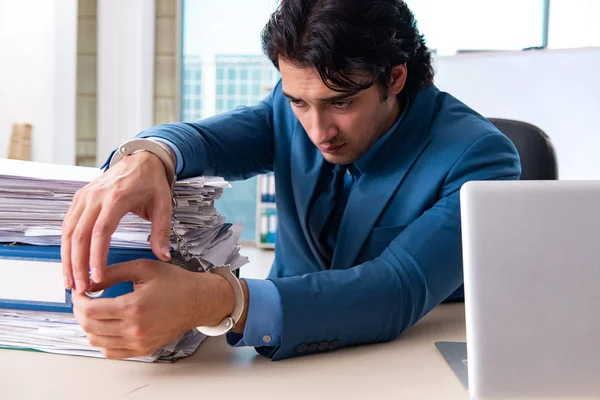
297	103
342	104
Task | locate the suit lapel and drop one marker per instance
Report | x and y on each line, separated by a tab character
309	172
381	178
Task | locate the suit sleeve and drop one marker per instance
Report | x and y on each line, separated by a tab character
235	145
263	323
380	299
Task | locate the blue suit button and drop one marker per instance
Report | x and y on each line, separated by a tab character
324	345
313	347
334	344
301	348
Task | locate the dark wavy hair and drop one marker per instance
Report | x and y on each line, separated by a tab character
340	38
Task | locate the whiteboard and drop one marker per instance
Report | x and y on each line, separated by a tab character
557	90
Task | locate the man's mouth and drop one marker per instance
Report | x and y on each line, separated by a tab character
331	148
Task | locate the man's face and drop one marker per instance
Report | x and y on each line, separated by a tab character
343	126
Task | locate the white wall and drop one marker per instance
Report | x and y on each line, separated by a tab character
125	71
37	75
557	90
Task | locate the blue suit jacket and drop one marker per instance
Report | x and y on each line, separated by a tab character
398	253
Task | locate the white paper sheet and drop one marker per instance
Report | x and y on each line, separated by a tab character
60	334
34	200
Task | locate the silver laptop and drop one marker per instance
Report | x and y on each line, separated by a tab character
532	290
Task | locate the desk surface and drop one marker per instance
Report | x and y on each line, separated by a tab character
408	368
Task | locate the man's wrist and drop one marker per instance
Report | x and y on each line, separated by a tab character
225	307
223	300
160	150
241	324
173	150
172	156
168	149
147	156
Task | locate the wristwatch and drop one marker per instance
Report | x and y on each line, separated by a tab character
227	323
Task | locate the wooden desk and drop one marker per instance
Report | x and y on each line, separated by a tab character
408	368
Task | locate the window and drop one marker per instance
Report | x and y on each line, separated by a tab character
574	23
191	88
222	55
465	25
231	74
255	89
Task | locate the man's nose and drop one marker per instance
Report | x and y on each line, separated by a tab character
322	131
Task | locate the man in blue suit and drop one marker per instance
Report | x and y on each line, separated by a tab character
369	157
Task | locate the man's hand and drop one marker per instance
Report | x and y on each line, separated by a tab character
166	302
137	184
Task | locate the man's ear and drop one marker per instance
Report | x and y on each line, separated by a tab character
398	79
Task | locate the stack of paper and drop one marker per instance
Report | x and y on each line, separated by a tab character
59	333
34	200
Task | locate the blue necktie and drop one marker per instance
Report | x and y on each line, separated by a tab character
327	210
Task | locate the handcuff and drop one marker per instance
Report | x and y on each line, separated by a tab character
162	152
228	323
158	149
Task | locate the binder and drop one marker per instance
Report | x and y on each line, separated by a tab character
272	228
31	277
264	189
264	227
271	194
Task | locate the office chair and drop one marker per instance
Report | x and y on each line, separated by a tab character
538	158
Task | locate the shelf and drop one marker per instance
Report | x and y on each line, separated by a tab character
266	211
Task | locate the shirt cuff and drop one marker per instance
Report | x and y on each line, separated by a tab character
175	149
264	319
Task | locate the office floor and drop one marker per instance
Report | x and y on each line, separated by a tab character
260	262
